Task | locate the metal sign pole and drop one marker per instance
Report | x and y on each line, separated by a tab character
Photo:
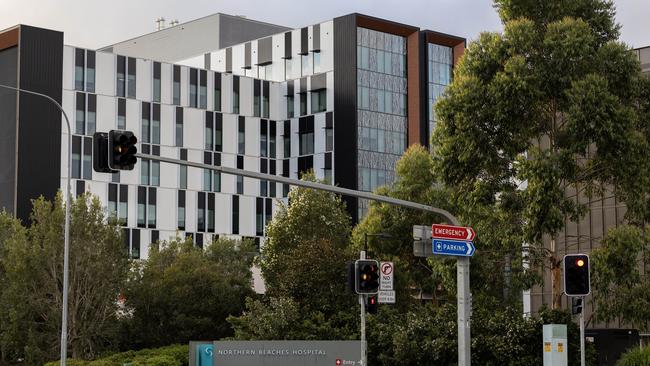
582	333
464	311
362	302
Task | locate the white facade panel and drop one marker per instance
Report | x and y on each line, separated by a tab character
252	134
246	216
185	84
166	74
166	207
193	128
319	133
327	46
226	93
144	80
246	96
105	73
168	126
218	60
68	67
228	181
223	213
106	113
190	210
230	133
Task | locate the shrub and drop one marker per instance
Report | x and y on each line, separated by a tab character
174	355
635	357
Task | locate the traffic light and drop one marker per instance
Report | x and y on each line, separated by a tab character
372	304
366	276
576	275
576	305
114	151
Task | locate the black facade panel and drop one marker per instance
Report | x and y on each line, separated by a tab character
316	37
39	127
247	55
229	59
264	51
287	45
345	106
8	99
304	41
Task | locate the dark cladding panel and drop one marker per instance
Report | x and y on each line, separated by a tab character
39	131
8	76
345	99
304	41
287	45
264	51
315	37
229	59
247	55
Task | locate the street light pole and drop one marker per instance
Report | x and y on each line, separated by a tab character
66	229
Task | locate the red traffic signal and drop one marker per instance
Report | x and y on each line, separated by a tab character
372	304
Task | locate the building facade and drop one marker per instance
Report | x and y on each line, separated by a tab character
343	98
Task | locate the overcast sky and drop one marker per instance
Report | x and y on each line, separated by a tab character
94	24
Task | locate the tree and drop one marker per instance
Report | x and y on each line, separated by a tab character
555	101
184	293
619	289
32	291
303	265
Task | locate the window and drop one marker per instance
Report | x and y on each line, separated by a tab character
144	172
208	132
240	179
80	115
241	136
265	99
146	128
217	92
316	62
210	217
131	72
259	216
179	126
256	98
216	181
286	139
121	114
121	76
90	71
91	120
327	170
263	183
135	243
180	211
306	135
203	89
207	173
264	136
318	101
235	94
287	68
176	85
305	164
79	65
290	107
272	139
329	139
146	207
117	202
235	214
182	170
193	87
200	214
82	157
218	132
149	172
156	82
303	104
155	124
304	65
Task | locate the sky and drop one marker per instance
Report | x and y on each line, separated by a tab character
94	24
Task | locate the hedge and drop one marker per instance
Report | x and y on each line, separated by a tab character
635	357
175	355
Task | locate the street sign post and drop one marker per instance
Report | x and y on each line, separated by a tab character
386	297
453	247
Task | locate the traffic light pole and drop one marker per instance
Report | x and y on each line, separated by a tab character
362	302
464	305
66	228
582	333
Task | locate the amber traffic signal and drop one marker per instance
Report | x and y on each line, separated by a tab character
576	275
366	276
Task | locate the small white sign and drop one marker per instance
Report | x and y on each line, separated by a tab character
386	271
386	297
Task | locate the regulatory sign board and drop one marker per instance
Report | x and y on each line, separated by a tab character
282	353
386	270
453	247
440	231
386	297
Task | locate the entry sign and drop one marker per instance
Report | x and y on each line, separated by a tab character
452	240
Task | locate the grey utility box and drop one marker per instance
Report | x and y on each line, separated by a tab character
555	346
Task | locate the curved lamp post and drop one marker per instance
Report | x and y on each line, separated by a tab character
66	230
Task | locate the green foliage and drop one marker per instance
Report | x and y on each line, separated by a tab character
175	355
306	248
31	289
619	289
183	293
635	357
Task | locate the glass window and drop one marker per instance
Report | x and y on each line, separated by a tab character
303	104
180	211
123	206
290	106
318	101
235	214
179	126
217	181
306	143
256	106
121	76
76	157
304	64
218	133
235	102
207	179
121	114
241	136
265	106
79	65
287	69
146	128
142	207
176	85
131	73
80	119
316	62
203	89
217	92
240	185
329	139
87	158
182	174
193	87
208	133
156	82
155	125
155	173
91	122
144	172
